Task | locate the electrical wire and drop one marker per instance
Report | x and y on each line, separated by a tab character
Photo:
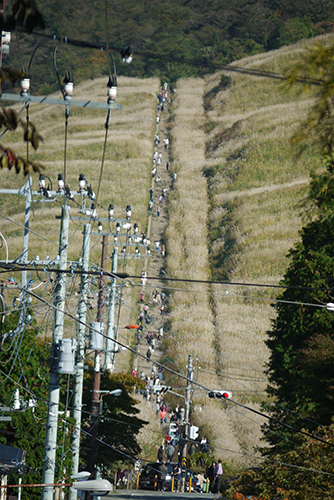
203	63
6	246
62	40
224	449
230	283
104	152
183	376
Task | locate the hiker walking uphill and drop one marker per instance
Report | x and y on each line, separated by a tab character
169	452
153	320
162	476
160	453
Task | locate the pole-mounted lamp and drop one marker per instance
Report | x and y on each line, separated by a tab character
98	487
115	392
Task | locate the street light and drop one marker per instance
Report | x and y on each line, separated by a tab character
94	425
98	487
115	392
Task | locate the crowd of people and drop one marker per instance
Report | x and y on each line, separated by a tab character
170	452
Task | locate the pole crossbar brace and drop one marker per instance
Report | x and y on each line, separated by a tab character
54	100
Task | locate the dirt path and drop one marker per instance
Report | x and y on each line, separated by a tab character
154	266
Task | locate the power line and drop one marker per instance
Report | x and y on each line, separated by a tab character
231	283
185	378
203	63
11	267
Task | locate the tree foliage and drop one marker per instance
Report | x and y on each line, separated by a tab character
302	332
166	36
305	473
24	364
10	119
318	127
25	13
119	425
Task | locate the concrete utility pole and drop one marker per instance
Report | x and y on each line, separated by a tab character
23	191
187	403
109	361
97	370
49	464
80	358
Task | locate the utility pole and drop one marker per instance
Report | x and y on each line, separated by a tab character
80	357
97	370
109	361
23	191
49	464
187	403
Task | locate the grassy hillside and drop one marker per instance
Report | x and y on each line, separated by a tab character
233	215
126	174
238	193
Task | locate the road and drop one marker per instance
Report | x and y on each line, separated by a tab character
166	495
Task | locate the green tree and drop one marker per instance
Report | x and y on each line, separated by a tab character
318	127
304	474
24	364
119	425
299	329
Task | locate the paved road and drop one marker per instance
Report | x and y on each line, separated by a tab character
166	495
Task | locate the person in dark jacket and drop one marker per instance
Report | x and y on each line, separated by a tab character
160	453
210	472
177	472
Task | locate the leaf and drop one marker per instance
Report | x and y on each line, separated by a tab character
35	140
37	167
26	168
18	165
11	156
4	161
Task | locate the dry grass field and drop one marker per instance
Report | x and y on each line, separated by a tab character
126	177
233	216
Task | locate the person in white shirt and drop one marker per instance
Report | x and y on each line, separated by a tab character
218	475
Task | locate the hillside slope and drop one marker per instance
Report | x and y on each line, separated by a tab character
237	194
233	215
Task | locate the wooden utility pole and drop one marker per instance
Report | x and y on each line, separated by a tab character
97	371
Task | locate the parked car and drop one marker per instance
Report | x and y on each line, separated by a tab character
148	479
